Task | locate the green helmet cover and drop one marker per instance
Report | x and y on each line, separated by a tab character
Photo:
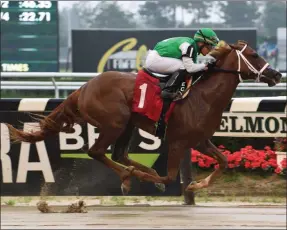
206	35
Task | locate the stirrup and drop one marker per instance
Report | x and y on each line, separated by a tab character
168	95
173	80
178	96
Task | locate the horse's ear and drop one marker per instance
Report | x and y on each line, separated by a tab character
238	44
242	42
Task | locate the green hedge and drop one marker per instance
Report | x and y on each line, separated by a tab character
236	143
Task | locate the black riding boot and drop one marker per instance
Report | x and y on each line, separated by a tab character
170	89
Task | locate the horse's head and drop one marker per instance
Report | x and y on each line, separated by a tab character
250	65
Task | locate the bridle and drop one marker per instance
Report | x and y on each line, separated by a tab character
240	56
249	65
238	71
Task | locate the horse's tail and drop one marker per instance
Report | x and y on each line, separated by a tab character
60	119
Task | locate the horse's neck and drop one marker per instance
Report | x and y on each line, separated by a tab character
223	90
221	86
218	89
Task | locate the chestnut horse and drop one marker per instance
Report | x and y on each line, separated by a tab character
106	102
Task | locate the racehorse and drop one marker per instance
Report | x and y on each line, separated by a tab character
106	102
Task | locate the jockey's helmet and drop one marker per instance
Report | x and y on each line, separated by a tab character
206	35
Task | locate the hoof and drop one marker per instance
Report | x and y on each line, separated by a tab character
193	183
126	184
192	186
160	186
125	187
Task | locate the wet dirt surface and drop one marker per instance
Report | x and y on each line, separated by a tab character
180	217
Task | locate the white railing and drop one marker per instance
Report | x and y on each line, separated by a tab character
57	75
47	74
52	84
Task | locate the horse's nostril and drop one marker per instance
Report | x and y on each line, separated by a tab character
278	76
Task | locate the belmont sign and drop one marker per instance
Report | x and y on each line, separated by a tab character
232	125
253	125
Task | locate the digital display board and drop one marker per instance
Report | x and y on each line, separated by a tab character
29	36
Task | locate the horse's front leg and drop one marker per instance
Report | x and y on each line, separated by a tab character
207	148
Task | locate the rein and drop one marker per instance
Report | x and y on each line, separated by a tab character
217	69
238	71
248	64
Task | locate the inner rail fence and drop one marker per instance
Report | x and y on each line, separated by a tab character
73	81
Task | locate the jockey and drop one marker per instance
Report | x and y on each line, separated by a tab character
178	55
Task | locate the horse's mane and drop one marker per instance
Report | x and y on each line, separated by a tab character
221	49
224	48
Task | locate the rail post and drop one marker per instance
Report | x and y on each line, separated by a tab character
56	88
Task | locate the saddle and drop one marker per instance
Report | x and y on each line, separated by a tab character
163	79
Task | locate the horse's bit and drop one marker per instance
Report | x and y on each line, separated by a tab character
249	65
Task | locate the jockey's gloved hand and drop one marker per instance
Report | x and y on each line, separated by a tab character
210	59
210	65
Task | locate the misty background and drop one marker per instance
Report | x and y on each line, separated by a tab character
266	16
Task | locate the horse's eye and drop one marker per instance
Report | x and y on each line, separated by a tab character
255	55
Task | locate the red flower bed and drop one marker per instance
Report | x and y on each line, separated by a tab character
283	166
245	159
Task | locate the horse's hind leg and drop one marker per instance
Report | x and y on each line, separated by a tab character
98	151
120	153
207	148
175	155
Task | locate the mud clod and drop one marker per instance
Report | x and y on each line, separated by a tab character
44	207
78	207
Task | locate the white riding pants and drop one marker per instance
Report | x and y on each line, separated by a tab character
164	65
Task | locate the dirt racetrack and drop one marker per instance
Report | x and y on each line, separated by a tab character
171	217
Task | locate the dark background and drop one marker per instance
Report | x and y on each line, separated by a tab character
90	45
